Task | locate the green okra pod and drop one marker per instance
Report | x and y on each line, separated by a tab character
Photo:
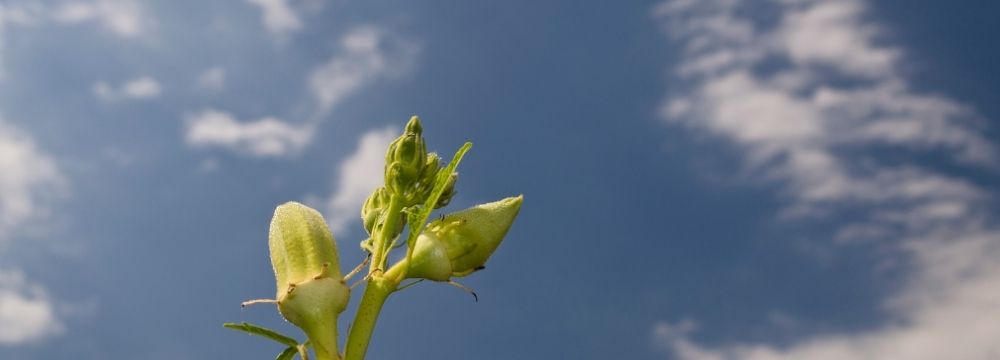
461	242
310	290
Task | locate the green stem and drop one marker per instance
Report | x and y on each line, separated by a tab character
324	342
378	288
377	291
383	240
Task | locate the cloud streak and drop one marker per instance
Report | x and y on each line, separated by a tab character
265	137
364	56
358	175
28	179
121	17
26	313
213	79
140	88
808	100
278	17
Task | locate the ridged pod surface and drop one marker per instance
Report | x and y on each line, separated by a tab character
461	242
310	290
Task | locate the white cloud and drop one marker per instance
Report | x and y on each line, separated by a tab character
364	57
140	88
213	79
831	92
831	33
949	312
265	137
20	15
277	16
28	179
359	174
122	17
26	313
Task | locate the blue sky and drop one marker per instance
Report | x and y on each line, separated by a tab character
785	179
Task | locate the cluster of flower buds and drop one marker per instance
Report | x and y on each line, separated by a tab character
410	173
460	243
311	291
374	209
405	160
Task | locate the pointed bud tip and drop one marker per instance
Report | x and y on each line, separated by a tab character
512	203
515	200
413	126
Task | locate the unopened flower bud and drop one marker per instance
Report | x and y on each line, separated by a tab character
462	242
395	182
431	167
426	183
311	293
414	126
449	191
373	208
410	152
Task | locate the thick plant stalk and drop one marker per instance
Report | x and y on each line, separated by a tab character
377	290
384	238
376	293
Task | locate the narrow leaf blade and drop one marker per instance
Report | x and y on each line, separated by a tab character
440	182
262	332
288	354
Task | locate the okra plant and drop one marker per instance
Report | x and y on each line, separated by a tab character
311	290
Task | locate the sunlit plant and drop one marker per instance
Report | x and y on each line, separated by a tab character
311	290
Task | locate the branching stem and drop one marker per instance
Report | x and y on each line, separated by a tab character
376	293
385	235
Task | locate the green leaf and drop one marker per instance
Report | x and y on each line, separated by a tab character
440	182
288	354
263	332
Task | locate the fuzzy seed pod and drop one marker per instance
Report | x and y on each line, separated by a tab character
462	242
311	292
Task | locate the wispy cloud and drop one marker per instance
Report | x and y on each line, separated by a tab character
213	79
140	88
807	99
28	179
121	17
124	18
22	14
364	56
26	312
278	17
16	14
265	137
358	175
